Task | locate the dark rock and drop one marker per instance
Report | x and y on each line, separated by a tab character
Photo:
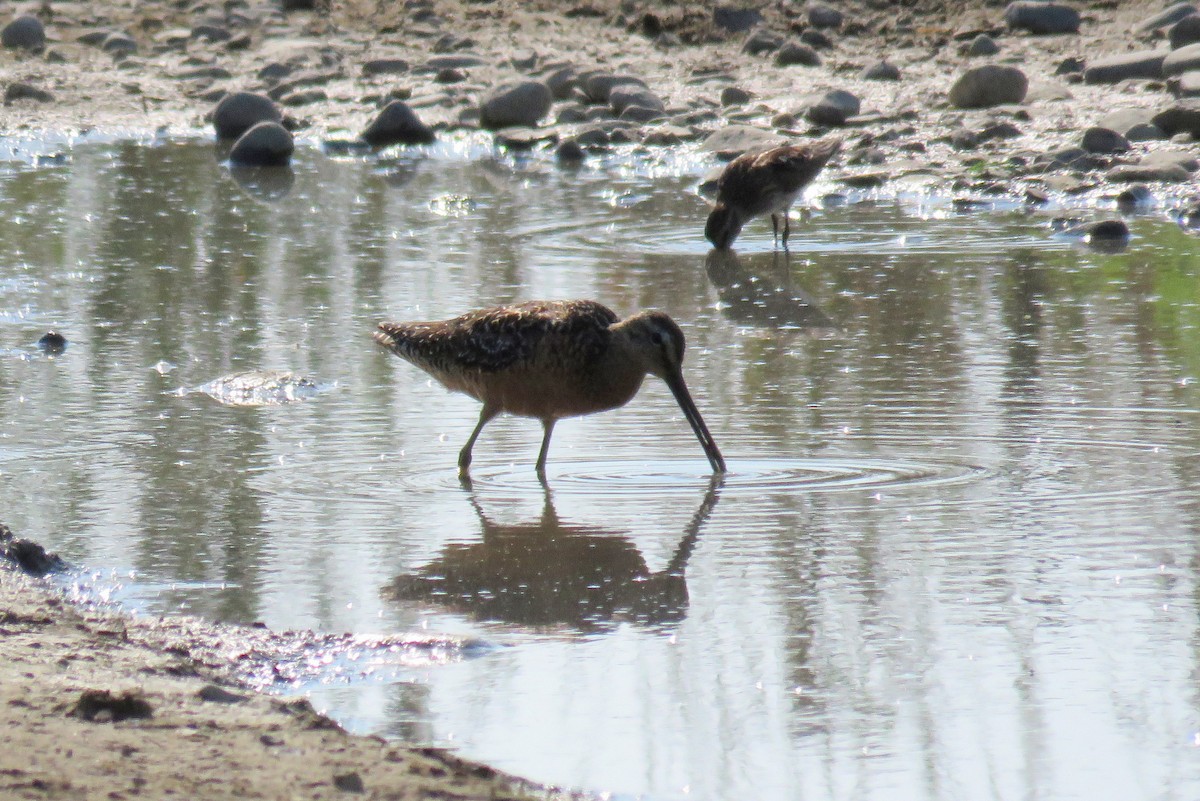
1183	117
513	138
27	555
267	144
275	72
1041	17
240	42
630	94
1104	140
1036	197
219	695
349	782
457	61
1114	69
1184	32
1125	121
834	108
734	96
640	114
570	151
1071	65
598	86
1068	158
52	342
241	111
517	103
102	706
562	81
963	139
1167	16
1135	197
298	5
385	66
19	90
211	33
119	43
93	38
24	32
816	39
795	53
762	41
397	124
736	19
1185	85
1182	60
881	71
983	45
448	76
821	15
999	130
989	85
1148	173
622	136
304	97
1108	229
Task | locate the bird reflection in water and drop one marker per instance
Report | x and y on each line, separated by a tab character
759	298
268	184
550	575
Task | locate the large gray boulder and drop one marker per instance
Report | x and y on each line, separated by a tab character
1183	60
1184	32
1041	17
518	103
241	111
397	124
989	85
267	144
1182	117
833	108
24	32
1167	16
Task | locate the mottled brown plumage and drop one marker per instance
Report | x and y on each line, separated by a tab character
549	360
766	182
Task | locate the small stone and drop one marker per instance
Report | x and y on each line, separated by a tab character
19	90
1071	65
102	706
762	41
219	695
397	124
983	45
267	144
1114	69
448	76
639	114
1036	197
834	108
569	151
795	53
630	94
736	19
816	39
1104	140
349	782
821	15
25	32
1135	197
989	85
517	103
1041	17
211	33
1184	32
386	66
562	81
1108	230
734	96
52	342
119	43
598	86
881	71
963	139
241	111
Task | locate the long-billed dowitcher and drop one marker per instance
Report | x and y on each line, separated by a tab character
766	182
549	360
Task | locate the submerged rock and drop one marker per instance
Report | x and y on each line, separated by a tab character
267	144
397	124
52	342
1041	17
261	388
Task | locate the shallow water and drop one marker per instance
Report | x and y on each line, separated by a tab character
956	555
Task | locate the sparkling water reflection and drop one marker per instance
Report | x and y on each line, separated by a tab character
955	556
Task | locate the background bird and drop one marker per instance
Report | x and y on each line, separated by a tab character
766	182
549	360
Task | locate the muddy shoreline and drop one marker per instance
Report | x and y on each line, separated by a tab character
98	704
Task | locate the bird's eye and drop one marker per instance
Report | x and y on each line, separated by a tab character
657	338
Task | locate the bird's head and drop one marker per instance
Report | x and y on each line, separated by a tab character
723	226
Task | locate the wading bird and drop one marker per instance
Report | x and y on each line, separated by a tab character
765	182
549	360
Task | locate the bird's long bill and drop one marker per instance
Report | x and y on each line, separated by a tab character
684	399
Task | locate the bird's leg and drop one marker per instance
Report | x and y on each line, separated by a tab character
775	230
548	425
464	456
787	229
